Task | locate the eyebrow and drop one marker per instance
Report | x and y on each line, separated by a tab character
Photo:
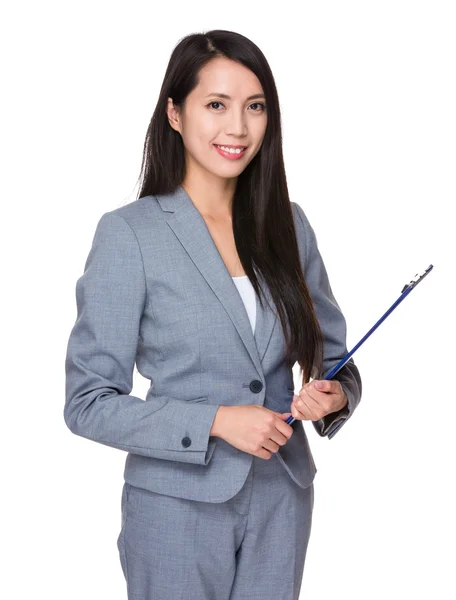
229	97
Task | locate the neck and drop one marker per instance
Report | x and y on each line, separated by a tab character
211	197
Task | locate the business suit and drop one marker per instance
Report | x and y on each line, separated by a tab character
155	290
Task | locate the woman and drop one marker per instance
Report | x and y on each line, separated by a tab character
212	282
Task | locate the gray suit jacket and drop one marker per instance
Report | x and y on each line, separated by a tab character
156	291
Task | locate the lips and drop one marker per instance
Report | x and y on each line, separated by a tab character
231	155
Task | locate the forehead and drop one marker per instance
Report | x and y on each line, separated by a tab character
222	75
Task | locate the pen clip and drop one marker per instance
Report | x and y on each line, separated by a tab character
417	279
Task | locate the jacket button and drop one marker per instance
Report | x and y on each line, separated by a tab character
256	386
186	442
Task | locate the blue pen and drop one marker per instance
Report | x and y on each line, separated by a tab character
405	292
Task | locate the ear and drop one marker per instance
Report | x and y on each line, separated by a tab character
173	116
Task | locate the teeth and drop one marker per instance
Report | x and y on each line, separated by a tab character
231	150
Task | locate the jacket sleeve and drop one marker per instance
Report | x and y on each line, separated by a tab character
333	326
101	353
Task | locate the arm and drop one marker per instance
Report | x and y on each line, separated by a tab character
333	326
101	354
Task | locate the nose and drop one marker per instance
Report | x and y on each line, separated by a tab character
236	125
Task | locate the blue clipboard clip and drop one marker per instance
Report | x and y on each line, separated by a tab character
408	287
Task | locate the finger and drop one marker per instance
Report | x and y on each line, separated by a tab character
286	415
271	445
300	410
320	402
295	413
276	413
280	437
283	429
326	385
308	405
262	453
283	416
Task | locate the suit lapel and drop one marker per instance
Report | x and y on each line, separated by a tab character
190	228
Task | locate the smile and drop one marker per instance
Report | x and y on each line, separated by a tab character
230	153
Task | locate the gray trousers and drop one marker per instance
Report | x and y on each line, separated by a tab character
251	546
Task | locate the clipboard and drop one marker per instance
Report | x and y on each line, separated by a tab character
408	287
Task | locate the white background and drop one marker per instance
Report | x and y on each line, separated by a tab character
368	97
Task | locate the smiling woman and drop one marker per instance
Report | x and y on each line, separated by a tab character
230	122
212	283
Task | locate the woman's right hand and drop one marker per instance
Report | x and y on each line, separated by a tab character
252	428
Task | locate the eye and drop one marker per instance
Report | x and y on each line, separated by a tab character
214	102
263	106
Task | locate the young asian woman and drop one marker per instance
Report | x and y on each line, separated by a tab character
212	283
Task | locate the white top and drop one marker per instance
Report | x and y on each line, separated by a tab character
247	293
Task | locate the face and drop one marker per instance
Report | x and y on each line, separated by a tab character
210	119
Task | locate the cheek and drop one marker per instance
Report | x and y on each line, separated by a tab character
202	137
257	132
206	127
256	124
200	129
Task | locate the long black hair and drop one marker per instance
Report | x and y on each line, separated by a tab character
262	216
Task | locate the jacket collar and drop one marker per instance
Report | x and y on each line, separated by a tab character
190	228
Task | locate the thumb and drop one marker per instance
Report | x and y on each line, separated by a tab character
321	384
281	415
285	416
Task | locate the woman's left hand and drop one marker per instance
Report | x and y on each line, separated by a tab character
317	399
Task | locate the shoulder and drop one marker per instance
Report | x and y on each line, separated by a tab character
299	216
135	212
137	217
